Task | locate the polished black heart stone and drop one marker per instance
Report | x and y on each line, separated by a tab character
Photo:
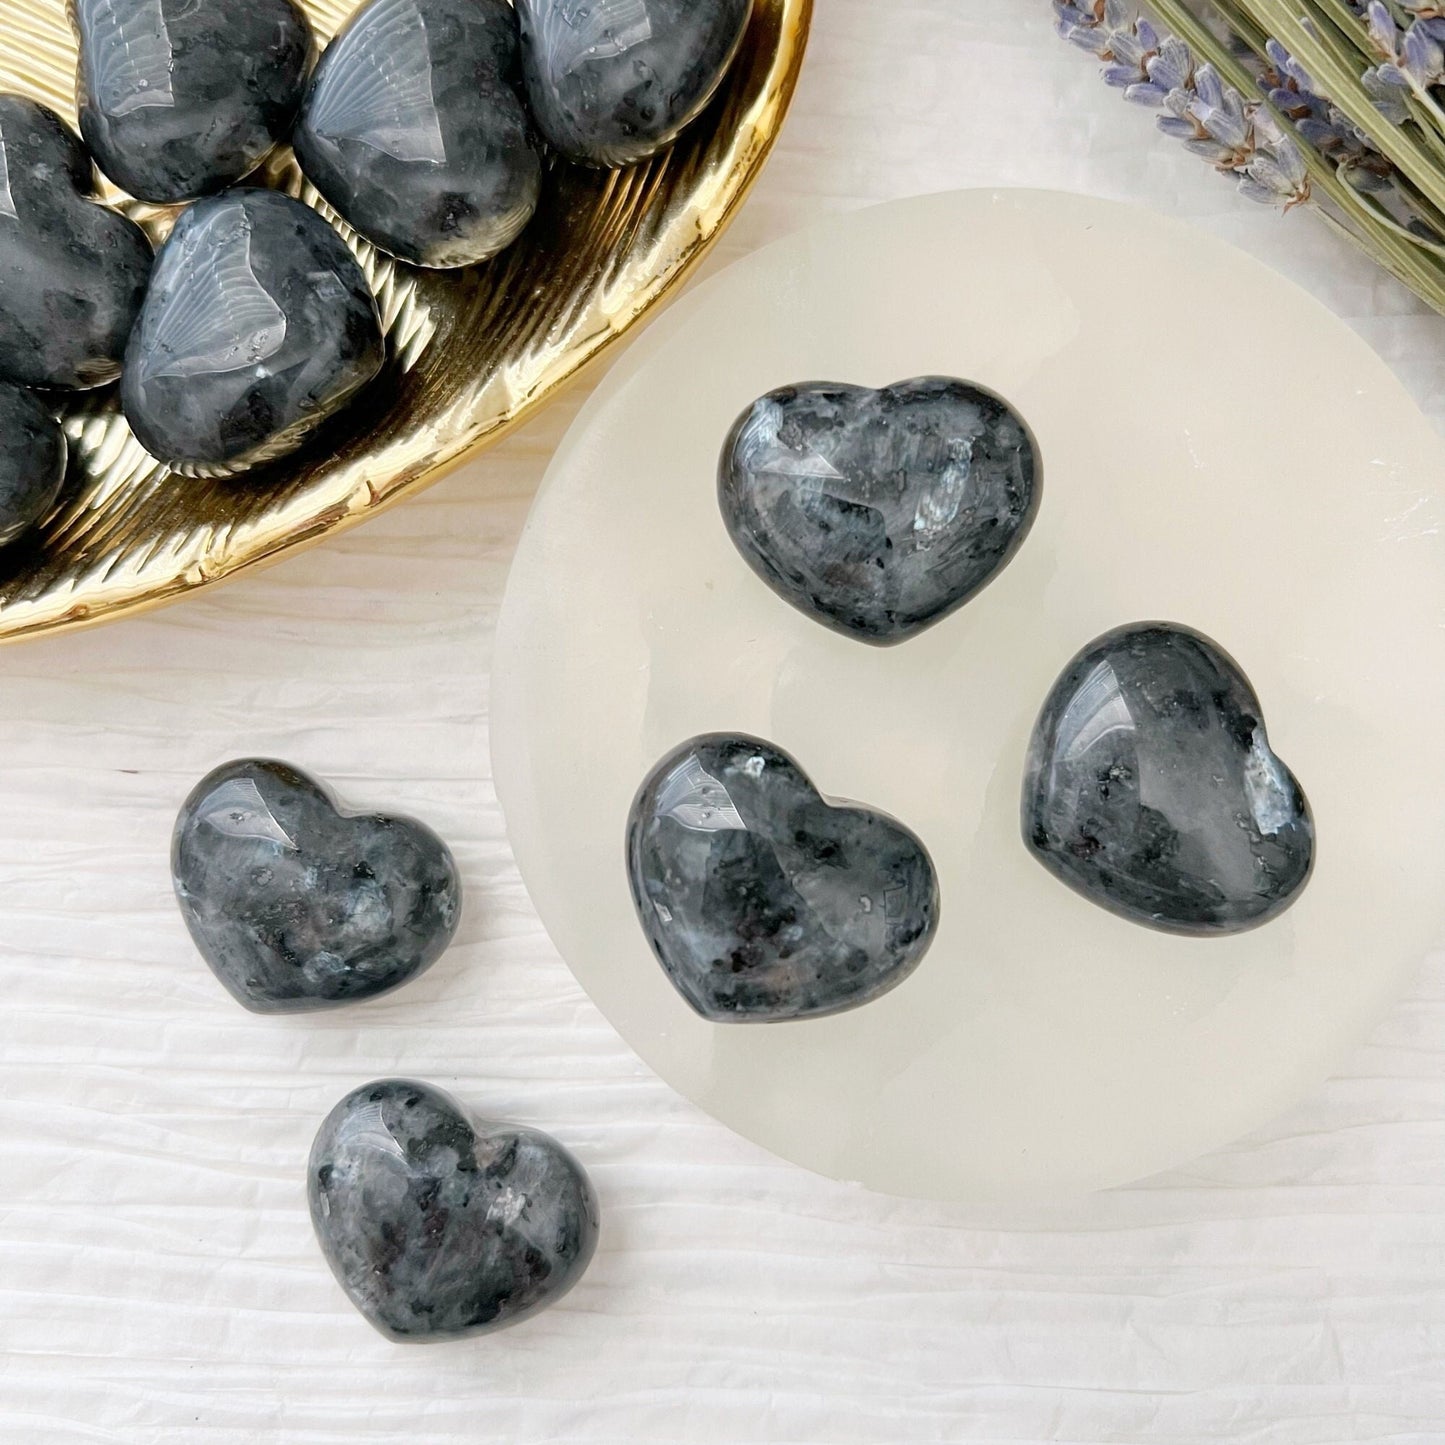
879	512
440	1225
763	901
258	324
414	132
1152	790
297	904
180	98
611	82
32	461
72	272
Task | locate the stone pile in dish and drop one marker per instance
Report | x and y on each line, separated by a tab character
426	125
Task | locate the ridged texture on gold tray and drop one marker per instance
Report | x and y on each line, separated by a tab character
473	352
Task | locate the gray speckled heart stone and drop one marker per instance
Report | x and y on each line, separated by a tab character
180	98
612	82
879	512
413	130
439	1225
258	325
763	901
298	905
32	461
72	272
1151	788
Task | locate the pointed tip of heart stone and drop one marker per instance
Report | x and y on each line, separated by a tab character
1151	788
297	904
879	512
439	1225
762	900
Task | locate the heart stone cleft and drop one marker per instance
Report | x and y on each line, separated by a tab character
763	901
879	512
1151	787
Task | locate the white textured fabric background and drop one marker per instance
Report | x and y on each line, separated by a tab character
158	1278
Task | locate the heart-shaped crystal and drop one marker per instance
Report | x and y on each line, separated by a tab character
258	324
413	131
32	461
1152	790
762	900
296	904
181	99
613	81
72	272
439	1225
879	512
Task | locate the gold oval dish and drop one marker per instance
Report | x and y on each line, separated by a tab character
472	352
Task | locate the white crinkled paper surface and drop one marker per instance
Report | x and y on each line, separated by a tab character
158	1278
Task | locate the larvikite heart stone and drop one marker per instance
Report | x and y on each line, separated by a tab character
32	461
180	98
258	325
879	512
414	132
72	272
1152	790
612	82
440	1225
297	904
762	900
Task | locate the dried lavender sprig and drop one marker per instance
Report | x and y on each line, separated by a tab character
1357	160
1359	66
1398	89
1237	136
1110	30
1411	60
1293	92
1418	262
1162	74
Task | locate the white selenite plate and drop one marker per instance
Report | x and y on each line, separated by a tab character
1218	450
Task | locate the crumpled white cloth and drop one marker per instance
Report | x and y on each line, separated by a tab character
158	1278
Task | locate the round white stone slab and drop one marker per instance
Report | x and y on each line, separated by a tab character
1218	450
